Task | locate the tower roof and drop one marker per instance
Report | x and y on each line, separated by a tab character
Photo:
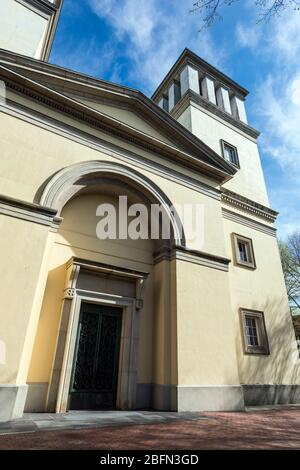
189	57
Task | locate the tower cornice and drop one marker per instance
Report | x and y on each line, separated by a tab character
188	57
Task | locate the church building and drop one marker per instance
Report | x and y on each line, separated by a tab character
183	324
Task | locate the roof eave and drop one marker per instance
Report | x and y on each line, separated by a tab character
123	130
186	137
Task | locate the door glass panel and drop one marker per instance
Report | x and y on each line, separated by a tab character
96	359
84	370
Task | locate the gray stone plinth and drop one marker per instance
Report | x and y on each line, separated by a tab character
12	401
259	395
210	398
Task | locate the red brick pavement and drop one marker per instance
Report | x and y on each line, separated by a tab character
276	429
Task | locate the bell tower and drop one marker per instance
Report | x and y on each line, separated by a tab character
28	27
212	106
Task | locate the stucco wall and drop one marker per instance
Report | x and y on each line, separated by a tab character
41	153
15	33
263	289
191	321
23	251
205	327
77	237
249	180
73	155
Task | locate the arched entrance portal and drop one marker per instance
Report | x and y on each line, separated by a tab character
71	180
113	347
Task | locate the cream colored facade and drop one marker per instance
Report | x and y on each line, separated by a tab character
28	26
68	143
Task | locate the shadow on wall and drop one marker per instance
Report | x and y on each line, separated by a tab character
282	365
45	341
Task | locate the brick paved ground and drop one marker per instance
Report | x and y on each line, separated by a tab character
276	429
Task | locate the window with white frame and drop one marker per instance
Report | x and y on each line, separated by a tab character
254	332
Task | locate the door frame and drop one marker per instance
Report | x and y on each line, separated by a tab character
127	374
118	313
59	385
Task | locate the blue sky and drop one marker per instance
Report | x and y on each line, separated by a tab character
135	42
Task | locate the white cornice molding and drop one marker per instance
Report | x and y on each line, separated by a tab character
246	221
28	211
212	109
192	256
245	204
108	270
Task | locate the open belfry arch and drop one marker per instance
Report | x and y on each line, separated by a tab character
186	323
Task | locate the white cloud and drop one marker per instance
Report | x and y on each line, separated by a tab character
152	34
276	49
278	96
129	17
276	38
248	36
295	91
283	39
278	104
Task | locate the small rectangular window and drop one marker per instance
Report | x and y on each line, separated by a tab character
254	332
229	153
243	251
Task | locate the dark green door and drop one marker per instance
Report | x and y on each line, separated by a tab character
96	361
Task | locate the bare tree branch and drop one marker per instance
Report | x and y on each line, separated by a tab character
270	8
210	10
290	260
